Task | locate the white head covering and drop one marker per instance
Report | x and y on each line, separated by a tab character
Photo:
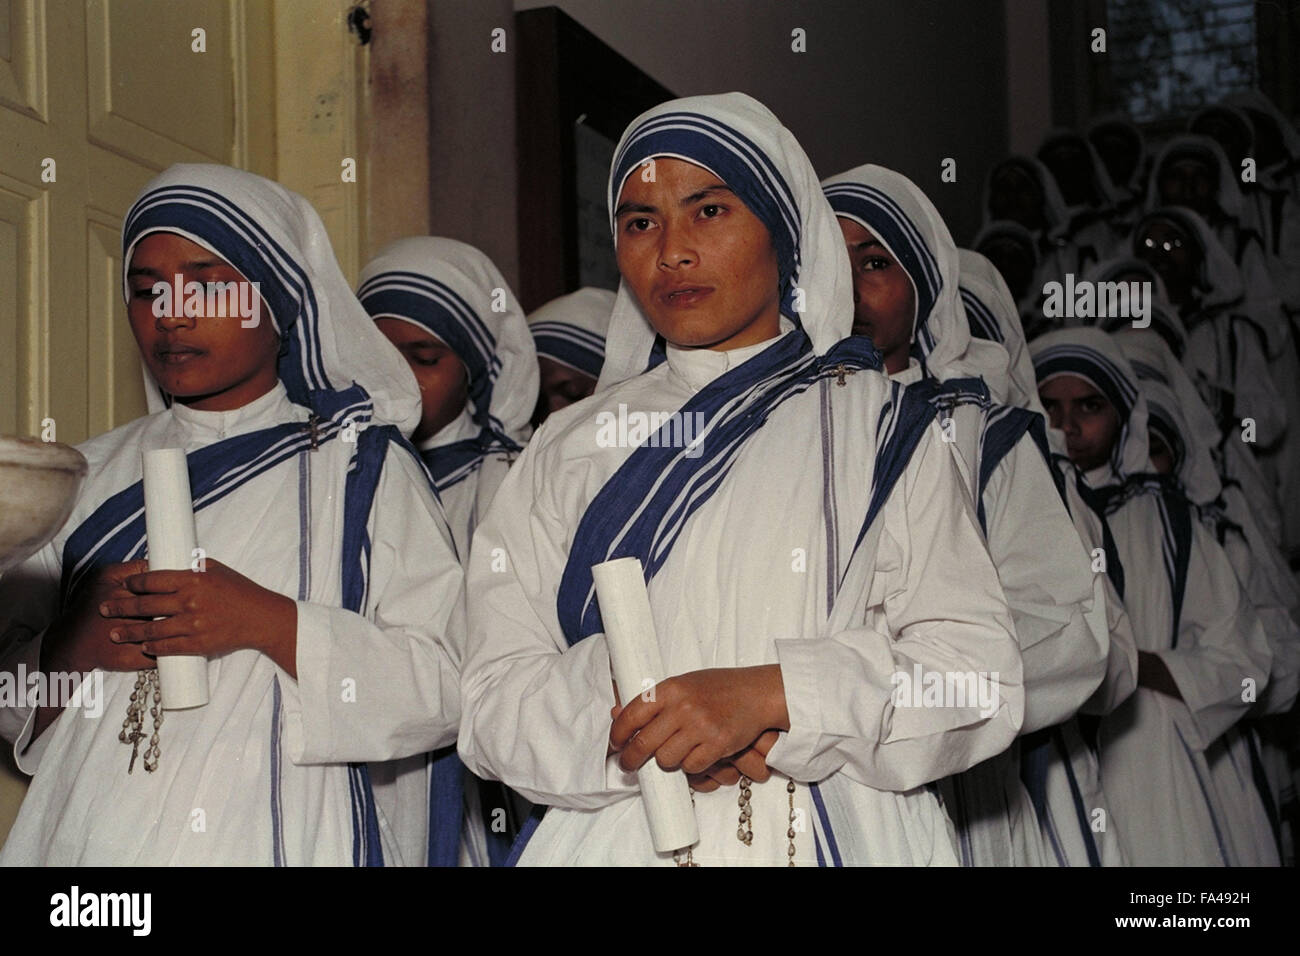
1227	192
1193	464
274	237
1107	269
454	291
739	140
571	329
1008	229
992	314
1055	213
902	217
1253	102
1164	316
1124	122
1151	360
1219	281
1234	113
1094	356
1103	189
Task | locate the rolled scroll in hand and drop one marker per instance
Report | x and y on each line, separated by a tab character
637	665
169	523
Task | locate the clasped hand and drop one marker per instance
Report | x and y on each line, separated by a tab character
714	724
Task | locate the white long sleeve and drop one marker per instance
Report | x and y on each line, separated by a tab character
1049	584
1220	644
934	601
536	711
388	685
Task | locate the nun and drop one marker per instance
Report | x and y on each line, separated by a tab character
569	333
1239	351
1014	252
906	275
1198	636
1251	830
448	310
332	657
1023	190
806	541
1092	200
1122	149
1058	765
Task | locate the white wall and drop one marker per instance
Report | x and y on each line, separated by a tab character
903	84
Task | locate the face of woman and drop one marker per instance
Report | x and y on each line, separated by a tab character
884	302
701	265
444	383
1071	165
561	386
1225	130
1189	182
1173	254
212	362
1013	261
1090	422
1016	195
1162	459
1118	150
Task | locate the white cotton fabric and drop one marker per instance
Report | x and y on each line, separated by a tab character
982	278
352	349
82	809
1156	751
282	529
476	279
588	309
537	711
823	273
1044	572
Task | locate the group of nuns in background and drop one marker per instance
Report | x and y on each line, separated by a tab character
1118	548
1188	504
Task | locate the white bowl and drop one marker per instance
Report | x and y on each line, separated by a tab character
39	482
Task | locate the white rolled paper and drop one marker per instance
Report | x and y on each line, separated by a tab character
637	665
169	523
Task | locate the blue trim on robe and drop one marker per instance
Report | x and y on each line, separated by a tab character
115	531
824	817
620	522
1035	759
446	806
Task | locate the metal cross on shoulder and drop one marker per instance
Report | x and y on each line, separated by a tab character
313	426
840	371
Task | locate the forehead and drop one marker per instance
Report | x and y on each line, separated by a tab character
1064	148
1014	175
557	373
1184	164
1068	388
854	232
159	246
676	177
1163	229
404	332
